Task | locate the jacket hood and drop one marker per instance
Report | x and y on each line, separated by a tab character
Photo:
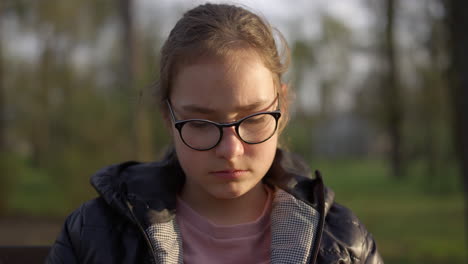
133	186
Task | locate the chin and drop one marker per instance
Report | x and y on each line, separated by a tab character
229	193
233	191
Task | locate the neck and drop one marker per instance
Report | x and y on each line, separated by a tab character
239	210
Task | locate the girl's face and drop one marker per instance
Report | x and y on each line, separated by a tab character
223	91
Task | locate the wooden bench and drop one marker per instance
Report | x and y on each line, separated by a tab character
23	254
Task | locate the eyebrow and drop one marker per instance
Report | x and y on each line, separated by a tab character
204	110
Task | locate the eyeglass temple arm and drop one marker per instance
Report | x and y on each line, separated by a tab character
279	101
170	110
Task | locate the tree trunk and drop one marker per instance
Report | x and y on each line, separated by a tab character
392	97
128	63
458	23
140	133
3	172
128	71
40	132
2	91
431	96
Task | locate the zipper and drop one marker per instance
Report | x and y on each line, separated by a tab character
142	230
321	208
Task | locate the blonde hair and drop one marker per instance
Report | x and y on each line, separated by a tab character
219	30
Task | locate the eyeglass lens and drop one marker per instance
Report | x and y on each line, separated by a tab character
205	135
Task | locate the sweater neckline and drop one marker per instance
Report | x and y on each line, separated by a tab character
202	224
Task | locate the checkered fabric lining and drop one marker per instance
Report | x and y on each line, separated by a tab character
293	228
294	225
167	242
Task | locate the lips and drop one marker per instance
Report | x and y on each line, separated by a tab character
229	174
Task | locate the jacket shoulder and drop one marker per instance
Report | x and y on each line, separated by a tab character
94	225
95	213
344	224
98	213
345	237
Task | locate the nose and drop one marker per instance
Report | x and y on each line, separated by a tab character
230	145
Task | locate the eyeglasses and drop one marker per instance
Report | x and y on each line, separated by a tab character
201	134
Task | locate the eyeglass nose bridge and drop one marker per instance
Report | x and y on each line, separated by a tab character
235	124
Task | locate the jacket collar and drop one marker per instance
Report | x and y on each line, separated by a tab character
154	185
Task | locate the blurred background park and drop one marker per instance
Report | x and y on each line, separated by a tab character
377	109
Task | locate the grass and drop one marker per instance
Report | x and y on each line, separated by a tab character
410	224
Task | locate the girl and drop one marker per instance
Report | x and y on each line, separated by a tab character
226	193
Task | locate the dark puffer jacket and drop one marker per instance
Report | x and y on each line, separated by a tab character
134	196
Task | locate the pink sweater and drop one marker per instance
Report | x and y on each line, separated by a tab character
205	242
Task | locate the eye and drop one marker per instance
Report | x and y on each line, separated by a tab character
199	124
256	119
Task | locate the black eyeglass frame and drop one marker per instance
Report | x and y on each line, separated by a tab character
180	123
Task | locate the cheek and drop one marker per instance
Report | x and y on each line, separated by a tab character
270	144
185	154
264	153
270	149
181	149
190	160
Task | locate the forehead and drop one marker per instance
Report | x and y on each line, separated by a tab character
223	84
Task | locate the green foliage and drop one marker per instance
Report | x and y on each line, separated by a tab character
89	133
410	223
32	190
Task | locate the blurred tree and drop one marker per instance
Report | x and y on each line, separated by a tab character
391	93
3	172
326	61
458	23
333	60
128	65
2	94
62	118
386	109
53	26
143	148
150	133
433	103
299	133
303	59
426	126
128	47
